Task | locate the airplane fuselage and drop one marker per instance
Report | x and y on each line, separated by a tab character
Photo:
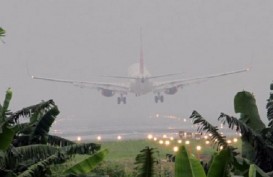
141	86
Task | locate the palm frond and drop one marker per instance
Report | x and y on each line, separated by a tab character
205	126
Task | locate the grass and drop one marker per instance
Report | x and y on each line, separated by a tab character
128	149
122	154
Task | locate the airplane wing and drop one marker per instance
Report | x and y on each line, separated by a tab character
162	86
115	87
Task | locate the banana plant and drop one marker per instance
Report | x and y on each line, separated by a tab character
257	138
27	149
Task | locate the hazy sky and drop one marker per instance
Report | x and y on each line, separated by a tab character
83	39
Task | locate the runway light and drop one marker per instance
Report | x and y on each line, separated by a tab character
99	138
235	140
207	142
198	148
119	137
161	141
206	137
229	141
164	136
171	138
221	147
185	120
167	143
79	138
187	142
175	148
157	115
155	139
150	136
179	141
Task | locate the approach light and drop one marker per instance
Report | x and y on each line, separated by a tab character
119	137
150	136
99	138
198	148
175	148
161	141
179	141
79	138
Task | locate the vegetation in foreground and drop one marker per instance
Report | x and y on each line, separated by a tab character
27	149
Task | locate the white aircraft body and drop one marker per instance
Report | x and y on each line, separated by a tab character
140	82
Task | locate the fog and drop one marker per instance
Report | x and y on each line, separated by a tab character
82	40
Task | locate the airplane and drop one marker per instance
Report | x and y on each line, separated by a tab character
140	82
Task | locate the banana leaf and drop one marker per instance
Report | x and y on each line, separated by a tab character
255	171
219	166
187	166
88	164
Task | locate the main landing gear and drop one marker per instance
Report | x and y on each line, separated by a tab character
159	98
121	99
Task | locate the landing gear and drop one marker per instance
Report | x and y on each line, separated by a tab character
121	99
158	98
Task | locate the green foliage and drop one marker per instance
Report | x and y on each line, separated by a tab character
111	169
2	32
27	150
221	163
187	165
87	164
145	162
269	107
205	126
245	104
7	130
257	139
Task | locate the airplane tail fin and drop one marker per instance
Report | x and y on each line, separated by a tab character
141	59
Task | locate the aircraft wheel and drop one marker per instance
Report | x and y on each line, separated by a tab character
119	100
124	100
162	98
156	99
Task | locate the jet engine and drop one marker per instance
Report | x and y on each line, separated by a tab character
171	91
107	92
